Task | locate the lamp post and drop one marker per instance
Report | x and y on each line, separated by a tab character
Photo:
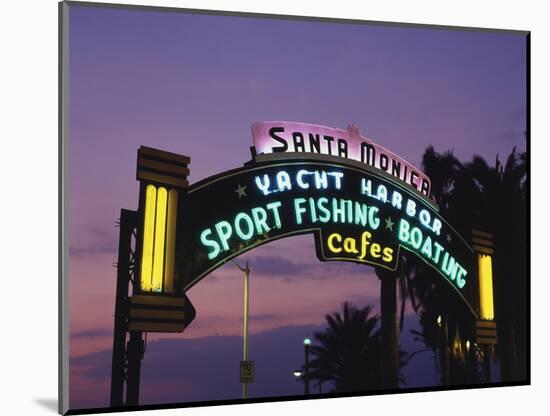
246	271
443	349
307	343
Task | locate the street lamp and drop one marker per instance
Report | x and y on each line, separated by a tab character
297	373
307	343
443	337
246	271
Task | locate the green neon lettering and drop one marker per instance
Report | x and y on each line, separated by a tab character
312	210
403	233
460	282
416	237
322	204
427	247
274	208
210	243
448	266
360	214
438	250
223	228
298	209
249	225
374	221
338	211
260	220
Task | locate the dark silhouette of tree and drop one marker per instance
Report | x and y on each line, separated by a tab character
491	198
347	353
499	201
428	294
443	170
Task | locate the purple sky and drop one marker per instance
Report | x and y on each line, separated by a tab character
194	85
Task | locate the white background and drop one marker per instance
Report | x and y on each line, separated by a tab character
28	204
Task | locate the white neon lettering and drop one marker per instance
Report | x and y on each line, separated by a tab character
263	185
300	180
411	208
396	200
321	180
337	179
283	181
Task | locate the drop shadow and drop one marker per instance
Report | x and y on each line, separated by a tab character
49	404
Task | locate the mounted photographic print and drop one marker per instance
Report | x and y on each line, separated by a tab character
268	208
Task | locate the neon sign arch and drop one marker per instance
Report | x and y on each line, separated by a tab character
355	212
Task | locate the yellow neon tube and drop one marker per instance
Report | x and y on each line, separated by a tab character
486	307
160	231
148	235
170	241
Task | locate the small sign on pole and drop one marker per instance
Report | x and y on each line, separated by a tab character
247	371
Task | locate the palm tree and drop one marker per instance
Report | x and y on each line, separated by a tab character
500	202
493	198
443	169
347	353
429	296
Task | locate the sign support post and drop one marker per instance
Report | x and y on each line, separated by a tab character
135	355
128	223
388	309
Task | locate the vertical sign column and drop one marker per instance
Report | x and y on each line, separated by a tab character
486	326
162	175
154	307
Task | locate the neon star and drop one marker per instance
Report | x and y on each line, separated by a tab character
389	223
241	190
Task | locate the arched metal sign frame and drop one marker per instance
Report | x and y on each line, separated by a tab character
208	206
